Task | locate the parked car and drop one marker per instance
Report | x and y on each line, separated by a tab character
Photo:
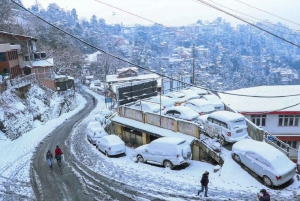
93	124
95	133
227	126
111	145
182	112
201	106
166	151
265	160
190	94
215	100
166	102
199	91
104	114
179	97
147	106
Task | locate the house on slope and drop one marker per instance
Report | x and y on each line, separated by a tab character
9	62
279	116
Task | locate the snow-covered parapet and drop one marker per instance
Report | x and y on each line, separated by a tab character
1	114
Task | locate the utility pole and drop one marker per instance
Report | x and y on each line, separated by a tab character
193	50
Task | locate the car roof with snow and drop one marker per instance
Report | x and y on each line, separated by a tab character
199	102
275	157
164	100
183	110
112	139
175	94
199	91
212	98
169	140
226	115
94	124
96	128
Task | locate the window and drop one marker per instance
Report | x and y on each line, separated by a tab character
259	120
2	56
288	120
292	144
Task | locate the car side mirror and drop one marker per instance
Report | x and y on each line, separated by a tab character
146	150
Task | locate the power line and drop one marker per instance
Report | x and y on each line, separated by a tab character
259	19
133	64
237	17
268	12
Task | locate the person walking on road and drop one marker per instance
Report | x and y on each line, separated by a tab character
264	196
94	100
49	157
58	153
204	184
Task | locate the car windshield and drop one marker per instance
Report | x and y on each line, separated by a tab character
238	123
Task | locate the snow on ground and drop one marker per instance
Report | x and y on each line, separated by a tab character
231	182
15	156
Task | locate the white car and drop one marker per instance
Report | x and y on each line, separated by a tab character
166	151
93	124
111	145
104	114
147	106
199	91
166	102
190	94
95	133
265	160
182	112
200	105
178	97
215	100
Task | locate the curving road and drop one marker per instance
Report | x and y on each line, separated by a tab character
70	184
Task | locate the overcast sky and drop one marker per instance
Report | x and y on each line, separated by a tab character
179	12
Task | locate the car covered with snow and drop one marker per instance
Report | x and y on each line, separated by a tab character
199	91
102	115
178	97
93	124
215	100
182	112
147	106
95	133
166	102
200	106
227	126
166	151
111	145
265	160
190	94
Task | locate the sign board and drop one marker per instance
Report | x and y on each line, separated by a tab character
271	138
108	100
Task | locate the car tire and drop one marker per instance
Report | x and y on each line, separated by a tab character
140	159
236	158
168	164
267	181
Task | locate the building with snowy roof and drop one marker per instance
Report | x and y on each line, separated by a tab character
278	115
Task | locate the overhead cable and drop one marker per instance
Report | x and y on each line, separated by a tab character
138	66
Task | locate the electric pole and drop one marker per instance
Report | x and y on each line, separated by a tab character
193	52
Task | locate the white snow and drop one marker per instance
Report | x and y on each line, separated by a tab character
226	116
15	158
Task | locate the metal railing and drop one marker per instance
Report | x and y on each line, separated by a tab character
21	81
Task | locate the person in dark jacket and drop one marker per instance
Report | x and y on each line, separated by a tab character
204	184
265	195
49	157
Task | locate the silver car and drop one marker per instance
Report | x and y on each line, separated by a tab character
265	160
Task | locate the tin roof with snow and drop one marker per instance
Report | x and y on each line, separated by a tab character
277	105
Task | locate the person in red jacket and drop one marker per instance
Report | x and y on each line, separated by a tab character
58	152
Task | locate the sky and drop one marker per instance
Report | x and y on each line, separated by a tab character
179	12
231	181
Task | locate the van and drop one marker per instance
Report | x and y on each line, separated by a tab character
227	126
166	151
